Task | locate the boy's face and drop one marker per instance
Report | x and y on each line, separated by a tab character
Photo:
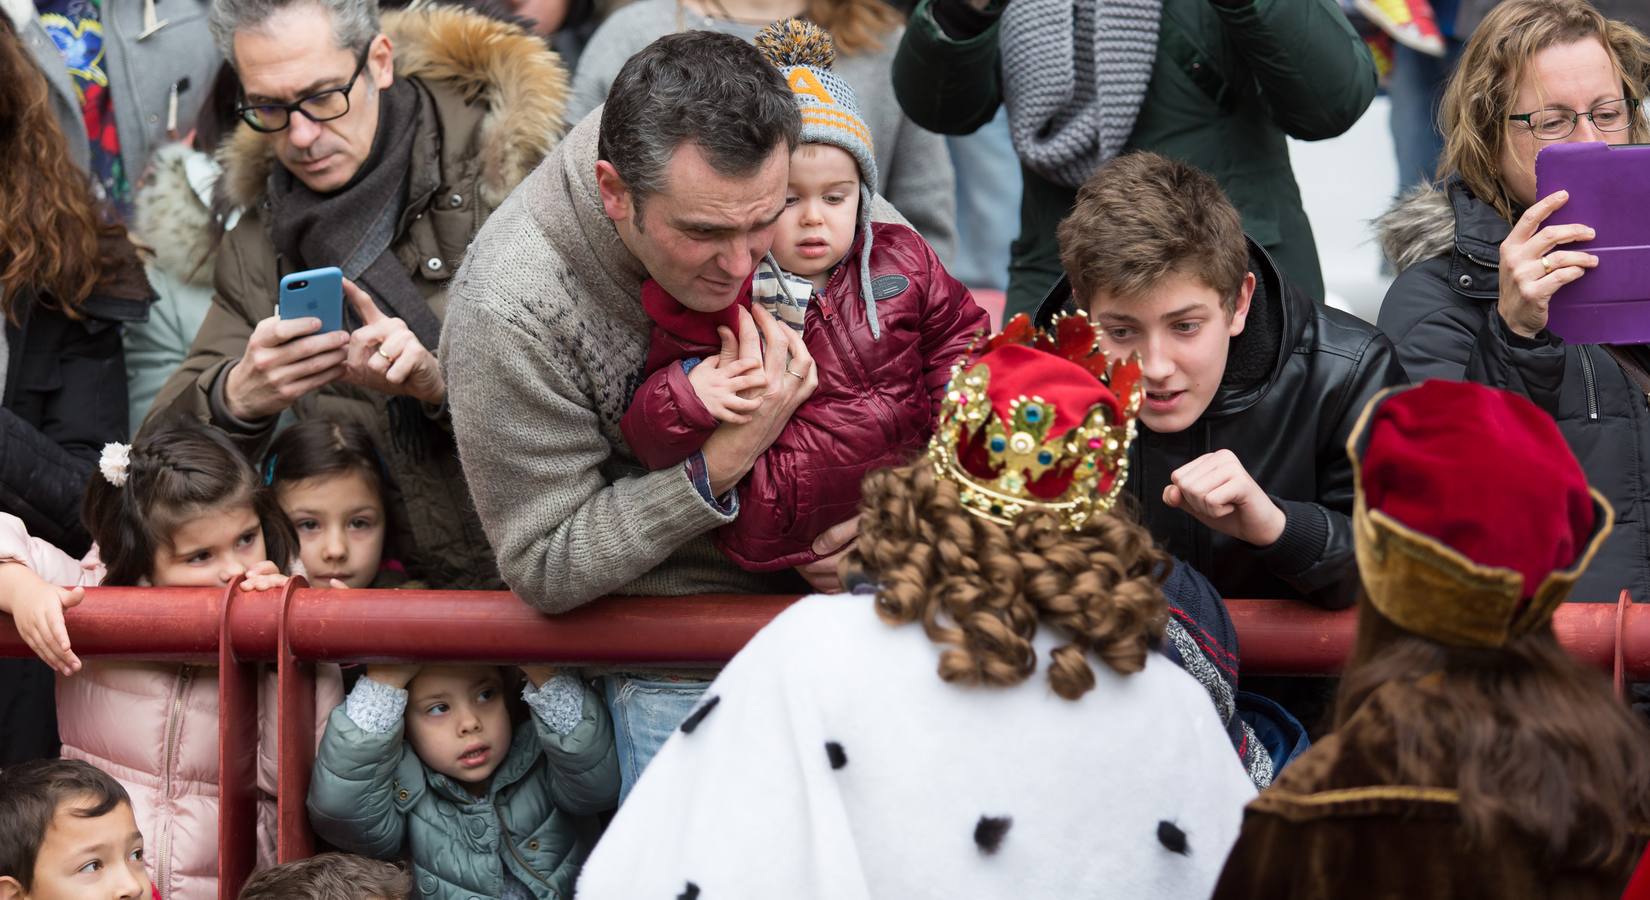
821	210
1182	333
457	722
81	858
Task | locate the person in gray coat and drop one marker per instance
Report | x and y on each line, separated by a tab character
126	76
426	762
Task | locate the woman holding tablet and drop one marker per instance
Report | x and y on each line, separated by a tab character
1478	265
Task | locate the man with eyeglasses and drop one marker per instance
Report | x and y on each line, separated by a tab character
380	150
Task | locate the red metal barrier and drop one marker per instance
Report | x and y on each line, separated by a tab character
298	627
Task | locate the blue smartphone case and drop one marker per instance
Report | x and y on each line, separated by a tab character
317	293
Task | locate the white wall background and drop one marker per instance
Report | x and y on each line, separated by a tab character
1346	182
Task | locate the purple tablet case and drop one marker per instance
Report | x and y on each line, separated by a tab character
1610	191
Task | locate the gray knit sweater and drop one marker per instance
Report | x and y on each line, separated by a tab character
543	346
915	165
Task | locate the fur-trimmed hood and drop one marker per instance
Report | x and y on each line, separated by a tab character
172	217
1419	226
523	85
1429	222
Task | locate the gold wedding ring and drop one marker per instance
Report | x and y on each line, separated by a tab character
1546	266
383	354
793	374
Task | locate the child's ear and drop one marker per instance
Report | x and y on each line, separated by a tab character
11	888
1240	310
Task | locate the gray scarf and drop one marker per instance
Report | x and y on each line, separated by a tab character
1074	75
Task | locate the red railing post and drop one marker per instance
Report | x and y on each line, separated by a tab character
237	756
295	746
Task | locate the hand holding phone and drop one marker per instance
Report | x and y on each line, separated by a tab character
301	348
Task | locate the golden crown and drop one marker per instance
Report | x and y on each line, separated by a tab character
1007	455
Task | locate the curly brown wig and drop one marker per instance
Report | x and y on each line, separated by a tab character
983	588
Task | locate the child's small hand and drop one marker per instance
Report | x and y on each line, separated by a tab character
264	576
720	384
37	610
539	674
396	675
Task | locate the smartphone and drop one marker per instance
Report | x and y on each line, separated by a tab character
317	293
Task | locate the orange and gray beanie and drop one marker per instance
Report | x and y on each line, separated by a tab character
803	53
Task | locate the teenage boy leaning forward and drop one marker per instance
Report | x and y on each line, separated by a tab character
1251	386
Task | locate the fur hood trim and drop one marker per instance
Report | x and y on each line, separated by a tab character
1419	226
171	215
522	83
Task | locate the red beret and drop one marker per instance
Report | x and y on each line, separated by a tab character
1483	471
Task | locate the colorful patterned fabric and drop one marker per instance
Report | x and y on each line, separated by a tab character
76	27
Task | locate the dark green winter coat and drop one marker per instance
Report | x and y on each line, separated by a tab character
371	795
1230	82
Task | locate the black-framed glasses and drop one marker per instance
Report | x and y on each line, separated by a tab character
1558	124
322	106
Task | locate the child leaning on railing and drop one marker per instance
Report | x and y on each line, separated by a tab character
181	507
427	761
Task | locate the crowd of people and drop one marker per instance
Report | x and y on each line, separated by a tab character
665	299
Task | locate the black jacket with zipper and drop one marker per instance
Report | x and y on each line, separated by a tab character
65	398
1441	313
1296	380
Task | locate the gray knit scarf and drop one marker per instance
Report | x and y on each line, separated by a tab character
1074	75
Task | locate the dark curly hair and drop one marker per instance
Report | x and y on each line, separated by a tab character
983	588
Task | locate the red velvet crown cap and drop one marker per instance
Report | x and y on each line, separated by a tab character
1019	371
1482	470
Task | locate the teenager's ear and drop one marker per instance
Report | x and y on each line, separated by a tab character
1240	310
11	888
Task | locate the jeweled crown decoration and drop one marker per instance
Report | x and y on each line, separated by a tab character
1012	451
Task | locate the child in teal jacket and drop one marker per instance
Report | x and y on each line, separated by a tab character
424	762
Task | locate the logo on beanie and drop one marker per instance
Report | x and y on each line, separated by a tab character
803	81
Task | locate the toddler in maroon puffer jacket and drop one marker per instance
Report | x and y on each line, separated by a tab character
881	317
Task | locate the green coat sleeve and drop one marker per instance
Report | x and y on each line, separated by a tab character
1313	69
945	85
584	763
354	796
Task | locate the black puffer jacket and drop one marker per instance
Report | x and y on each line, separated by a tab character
1441	313
65	398
1296	380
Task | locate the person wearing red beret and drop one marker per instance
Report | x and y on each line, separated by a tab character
1471	756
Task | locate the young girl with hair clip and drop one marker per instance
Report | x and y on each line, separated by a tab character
181	507
1058	754
330	482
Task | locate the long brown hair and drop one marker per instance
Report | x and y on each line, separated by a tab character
50	241
1536	742
983	588
856	26
1480	95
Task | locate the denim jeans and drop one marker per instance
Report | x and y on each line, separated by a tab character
645	710
988	203
1415	88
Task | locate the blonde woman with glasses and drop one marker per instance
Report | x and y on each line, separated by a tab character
1478	264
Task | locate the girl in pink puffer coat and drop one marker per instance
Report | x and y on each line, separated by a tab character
180	508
